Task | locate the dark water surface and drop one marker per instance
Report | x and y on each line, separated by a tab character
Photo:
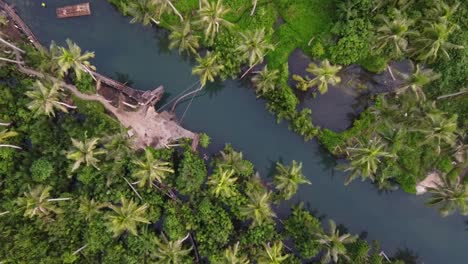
229	112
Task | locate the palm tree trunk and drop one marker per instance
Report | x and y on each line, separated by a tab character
254	7
4	213
155	21
199	4
66	105
133	188
462	91
4	124
175	10
12	61
11	45
58	199
9	146
80	249
184	96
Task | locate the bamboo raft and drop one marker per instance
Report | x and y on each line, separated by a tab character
74	11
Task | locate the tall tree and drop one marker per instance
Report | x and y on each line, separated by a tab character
434	41
272	254
254	46
72	58
45	99
85	152
183	38
164	6
440	128
142	11
450	194
365	159
265	80
151	169
37	202
222	183
288	178
258	208
208	68
334	244
211	18
90	208
233	256
126	217
442	11
416	81
324	74
394	34
171	252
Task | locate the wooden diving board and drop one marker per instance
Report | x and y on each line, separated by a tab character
74	11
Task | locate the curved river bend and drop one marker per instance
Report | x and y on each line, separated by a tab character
229	112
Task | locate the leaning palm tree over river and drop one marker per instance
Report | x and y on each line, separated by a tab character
325	74
288	178
451	194
73	58
183	38
334	244
265	80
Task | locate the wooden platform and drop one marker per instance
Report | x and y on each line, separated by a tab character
74	11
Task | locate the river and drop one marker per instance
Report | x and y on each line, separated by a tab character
229	112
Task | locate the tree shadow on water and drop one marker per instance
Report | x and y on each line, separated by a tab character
407	255
214	88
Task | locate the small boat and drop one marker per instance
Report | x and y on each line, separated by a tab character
74	11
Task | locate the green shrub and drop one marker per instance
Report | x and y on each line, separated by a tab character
41	170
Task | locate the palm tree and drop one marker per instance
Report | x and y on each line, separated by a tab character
222	183
440	129
5	134
231	159
162	6
72	58
288	178
183	39
119	145
127	216
84	152
151	169
417	80
258	208
36	202
365	159
142	11
265	80
208	68
212	18
89	207
434	41
443	11
303	83
254	46
171	252
334	244
324	74
233	256
450	194
394	34
45	99
273	254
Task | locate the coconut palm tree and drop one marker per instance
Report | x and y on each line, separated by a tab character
90	208
416	81
72	58
151	169
36	202
207	68
84	152
211	18
231	159
434	41
222	183
45	99
233	256
365	159
265	80
119	144
254	46
164	6
440	128
171	252
394	34
324	74
334	244
126	217
450	195
273	254
6	134
443	11
258	208
183	38
142	11
288	178
303	83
